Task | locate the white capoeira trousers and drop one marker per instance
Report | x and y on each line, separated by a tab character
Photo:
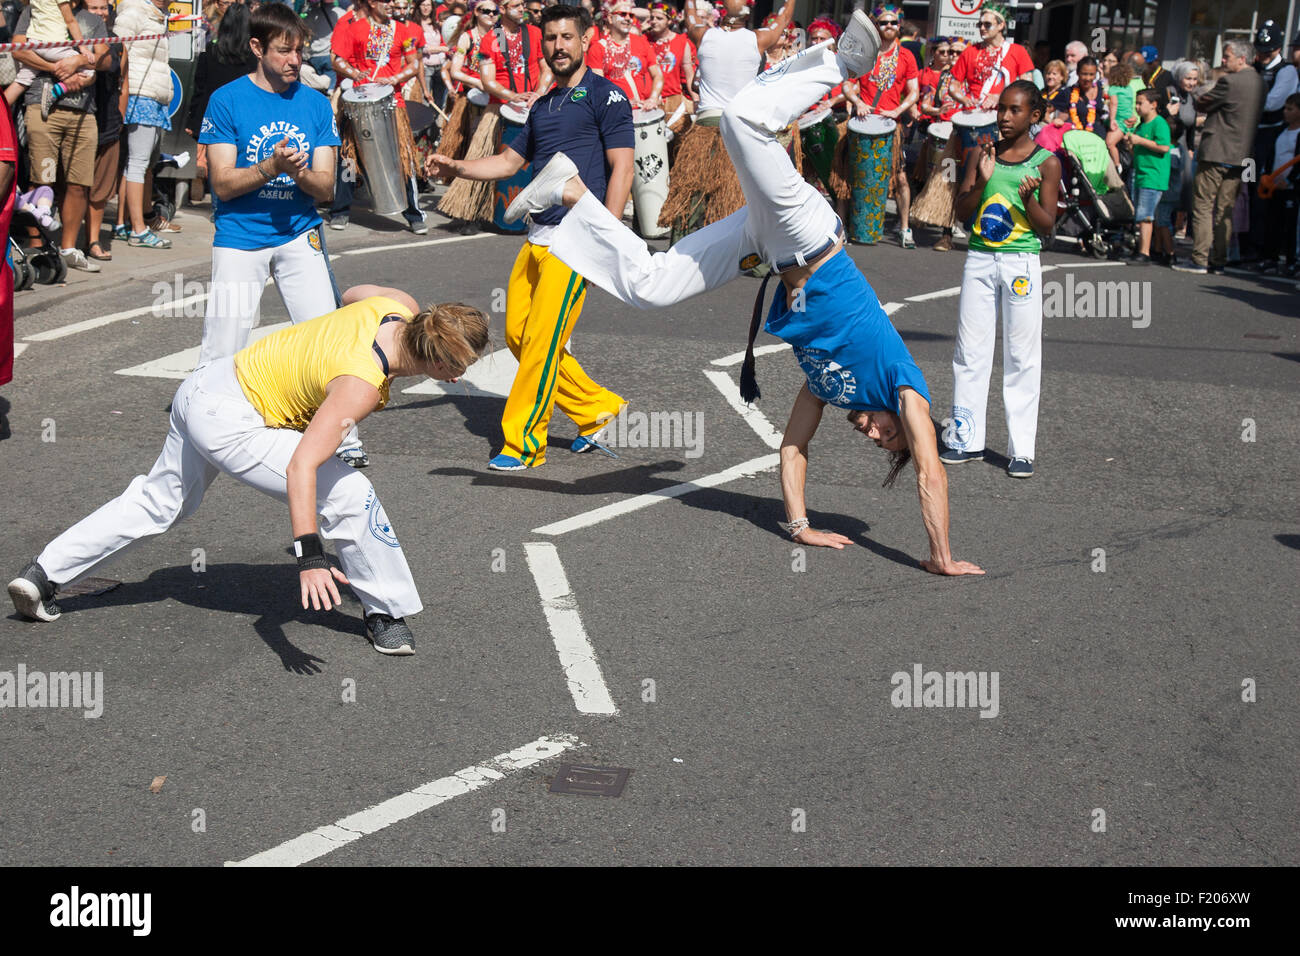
1012	283
301	270
784	218
215	429
302	276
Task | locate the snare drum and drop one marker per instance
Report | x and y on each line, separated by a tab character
512	120
650	181
819	136
871	151
371	111
478	97
974	125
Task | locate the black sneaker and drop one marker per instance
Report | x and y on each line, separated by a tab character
33	594
954	456
1141	260
1020	468
390	635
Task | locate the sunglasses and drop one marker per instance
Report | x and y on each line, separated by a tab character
886	23
987	24
488	13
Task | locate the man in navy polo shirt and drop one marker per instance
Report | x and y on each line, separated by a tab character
590	119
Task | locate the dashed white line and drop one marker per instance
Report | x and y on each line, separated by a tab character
597	515
940	294
178	365
19	348
581	669
751	415
326	839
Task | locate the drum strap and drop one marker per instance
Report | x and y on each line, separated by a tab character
504	47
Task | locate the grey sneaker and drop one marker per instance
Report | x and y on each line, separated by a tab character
33	594
857	49
390	635
47	99
339	222
76	259
356	457
542	192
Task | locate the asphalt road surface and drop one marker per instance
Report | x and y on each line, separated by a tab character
1145	706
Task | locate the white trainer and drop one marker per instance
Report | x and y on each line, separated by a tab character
857	49
543	192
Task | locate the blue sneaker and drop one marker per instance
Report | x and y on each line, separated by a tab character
504	462
951	456
586	443
1020	468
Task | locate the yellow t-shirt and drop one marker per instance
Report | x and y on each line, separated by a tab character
284	375
47	23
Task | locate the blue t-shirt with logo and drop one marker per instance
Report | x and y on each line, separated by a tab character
850	352
582	122
254	120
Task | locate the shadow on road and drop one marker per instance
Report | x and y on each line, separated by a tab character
1290	540
269	592
637	480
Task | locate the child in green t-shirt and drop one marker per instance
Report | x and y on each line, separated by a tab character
1150	143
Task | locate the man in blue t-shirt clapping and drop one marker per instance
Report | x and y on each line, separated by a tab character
271	145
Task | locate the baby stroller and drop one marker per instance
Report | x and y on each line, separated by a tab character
1099	214
31	265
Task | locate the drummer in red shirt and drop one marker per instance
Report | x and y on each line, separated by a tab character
8	163
627	59
374	48
889	90
675	55
527	75
986	68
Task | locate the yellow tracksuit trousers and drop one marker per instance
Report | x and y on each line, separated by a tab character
543	302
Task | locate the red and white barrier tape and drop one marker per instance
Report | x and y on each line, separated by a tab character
54	44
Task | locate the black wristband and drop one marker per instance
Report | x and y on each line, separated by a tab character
310	553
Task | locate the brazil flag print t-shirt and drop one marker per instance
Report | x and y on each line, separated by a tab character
1001	223
254	121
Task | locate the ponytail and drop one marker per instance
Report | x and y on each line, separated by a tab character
452	333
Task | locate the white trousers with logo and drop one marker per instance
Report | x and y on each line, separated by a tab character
784	217
1013	283
302	277
214	429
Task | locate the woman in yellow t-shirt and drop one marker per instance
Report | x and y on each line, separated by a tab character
272	416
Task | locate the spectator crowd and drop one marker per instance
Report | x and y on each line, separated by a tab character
1194	146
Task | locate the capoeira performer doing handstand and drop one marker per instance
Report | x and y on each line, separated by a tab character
271	415
851	354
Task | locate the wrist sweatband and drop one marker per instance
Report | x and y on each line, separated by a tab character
310	553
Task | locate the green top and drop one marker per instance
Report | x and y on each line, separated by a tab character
1151	168
1124	96
1001	224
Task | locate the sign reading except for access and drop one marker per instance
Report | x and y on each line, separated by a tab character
958	18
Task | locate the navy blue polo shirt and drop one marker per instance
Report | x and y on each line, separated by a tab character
582	122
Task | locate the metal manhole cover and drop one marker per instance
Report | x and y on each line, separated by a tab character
88	586
590	781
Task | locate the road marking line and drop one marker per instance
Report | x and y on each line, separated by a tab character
492	376
606	512
160	311
178	365
326	839
892	307
577	657
737	357
19	348
941	294
1091	265
752	416
414	245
